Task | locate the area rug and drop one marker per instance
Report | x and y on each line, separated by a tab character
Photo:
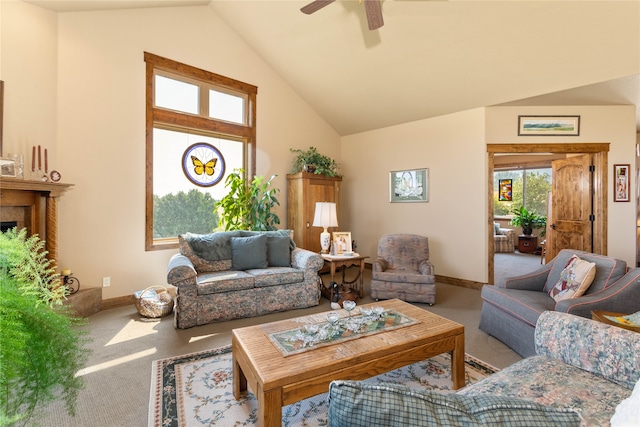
195	390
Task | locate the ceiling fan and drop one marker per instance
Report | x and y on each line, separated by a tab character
373	10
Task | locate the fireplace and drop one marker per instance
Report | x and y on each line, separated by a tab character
32	205
7	225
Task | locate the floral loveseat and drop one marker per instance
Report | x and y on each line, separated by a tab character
234	274
582	371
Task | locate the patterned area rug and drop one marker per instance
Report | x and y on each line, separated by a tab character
195	390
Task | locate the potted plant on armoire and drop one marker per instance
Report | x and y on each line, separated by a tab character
305	188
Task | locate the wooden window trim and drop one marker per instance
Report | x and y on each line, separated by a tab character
177	119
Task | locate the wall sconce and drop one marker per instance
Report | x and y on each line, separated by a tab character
325	216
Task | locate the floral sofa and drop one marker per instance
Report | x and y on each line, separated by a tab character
583	374
234	274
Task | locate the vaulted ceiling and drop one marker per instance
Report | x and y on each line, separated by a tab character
434	57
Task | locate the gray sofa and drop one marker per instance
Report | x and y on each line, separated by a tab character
234	274
582	371
511	309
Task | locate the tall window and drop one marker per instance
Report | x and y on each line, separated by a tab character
200	126
529	188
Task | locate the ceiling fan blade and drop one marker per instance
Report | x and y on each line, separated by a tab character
373	10
315	5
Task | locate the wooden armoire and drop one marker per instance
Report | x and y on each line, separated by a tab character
303	191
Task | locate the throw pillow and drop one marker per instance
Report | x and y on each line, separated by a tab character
278	251
496	228
249	252
354	404
574	280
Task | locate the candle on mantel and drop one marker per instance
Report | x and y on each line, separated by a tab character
46	161
33	159
66	272
39	158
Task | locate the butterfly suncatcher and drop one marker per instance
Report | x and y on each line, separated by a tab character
207	168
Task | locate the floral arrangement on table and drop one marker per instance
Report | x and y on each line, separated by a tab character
372	319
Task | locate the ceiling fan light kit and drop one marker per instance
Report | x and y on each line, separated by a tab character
372	8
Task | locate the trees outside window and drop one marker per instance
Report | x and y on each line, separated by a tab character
530	188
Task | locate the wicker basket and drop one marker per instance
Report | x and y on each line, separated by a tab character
158	305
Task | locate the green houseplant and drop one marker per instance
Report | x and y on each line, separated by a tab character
528	220
41	343
248	206
312	161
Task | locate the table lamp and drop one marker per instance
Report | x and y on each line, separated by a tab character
325	216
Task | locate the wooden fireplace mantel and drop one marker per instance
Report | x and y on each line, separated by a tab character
38	199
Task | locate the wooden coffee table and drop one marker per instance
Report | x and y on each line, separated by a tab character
277	381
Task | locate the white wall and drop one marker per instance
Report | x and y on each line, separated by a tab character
28	49
452	148
99	111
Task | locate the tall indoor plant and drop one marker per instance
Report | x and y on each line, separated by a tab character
42	345
528	220
248	206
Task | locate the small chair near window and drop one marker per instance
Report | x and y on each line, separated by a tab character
402	269
504	239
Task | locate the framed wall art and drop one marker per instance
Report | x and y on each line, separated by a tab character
342	242
410	185
504	190
549	125
621	187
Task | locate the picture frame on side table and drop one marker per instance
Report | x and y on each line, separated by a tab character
342	242
411	185
621	184
549	125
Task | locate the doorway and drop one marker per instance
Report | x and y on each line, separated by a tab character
599	152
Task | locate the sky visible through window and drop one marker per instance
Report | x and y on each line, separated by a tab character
170	145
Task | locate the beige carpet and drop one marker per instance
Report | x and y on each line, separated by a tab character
124	346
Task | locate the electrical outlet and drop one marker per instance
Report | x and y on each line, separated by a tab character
106	282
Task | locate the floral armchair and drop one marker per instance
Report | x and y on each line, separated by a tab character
402	269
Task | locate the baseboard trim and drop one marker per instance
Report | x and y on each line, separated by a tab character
459	282
118	302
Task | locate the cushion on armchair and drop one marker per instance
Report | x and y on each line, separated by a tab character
574	280
354	403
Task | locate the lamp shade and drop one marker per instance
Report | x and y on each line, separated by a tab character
325	215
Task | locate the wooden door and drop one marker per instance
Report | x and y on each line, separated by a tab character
571	206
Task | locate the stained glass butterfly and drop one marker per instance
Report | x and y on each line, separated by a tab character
200	167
